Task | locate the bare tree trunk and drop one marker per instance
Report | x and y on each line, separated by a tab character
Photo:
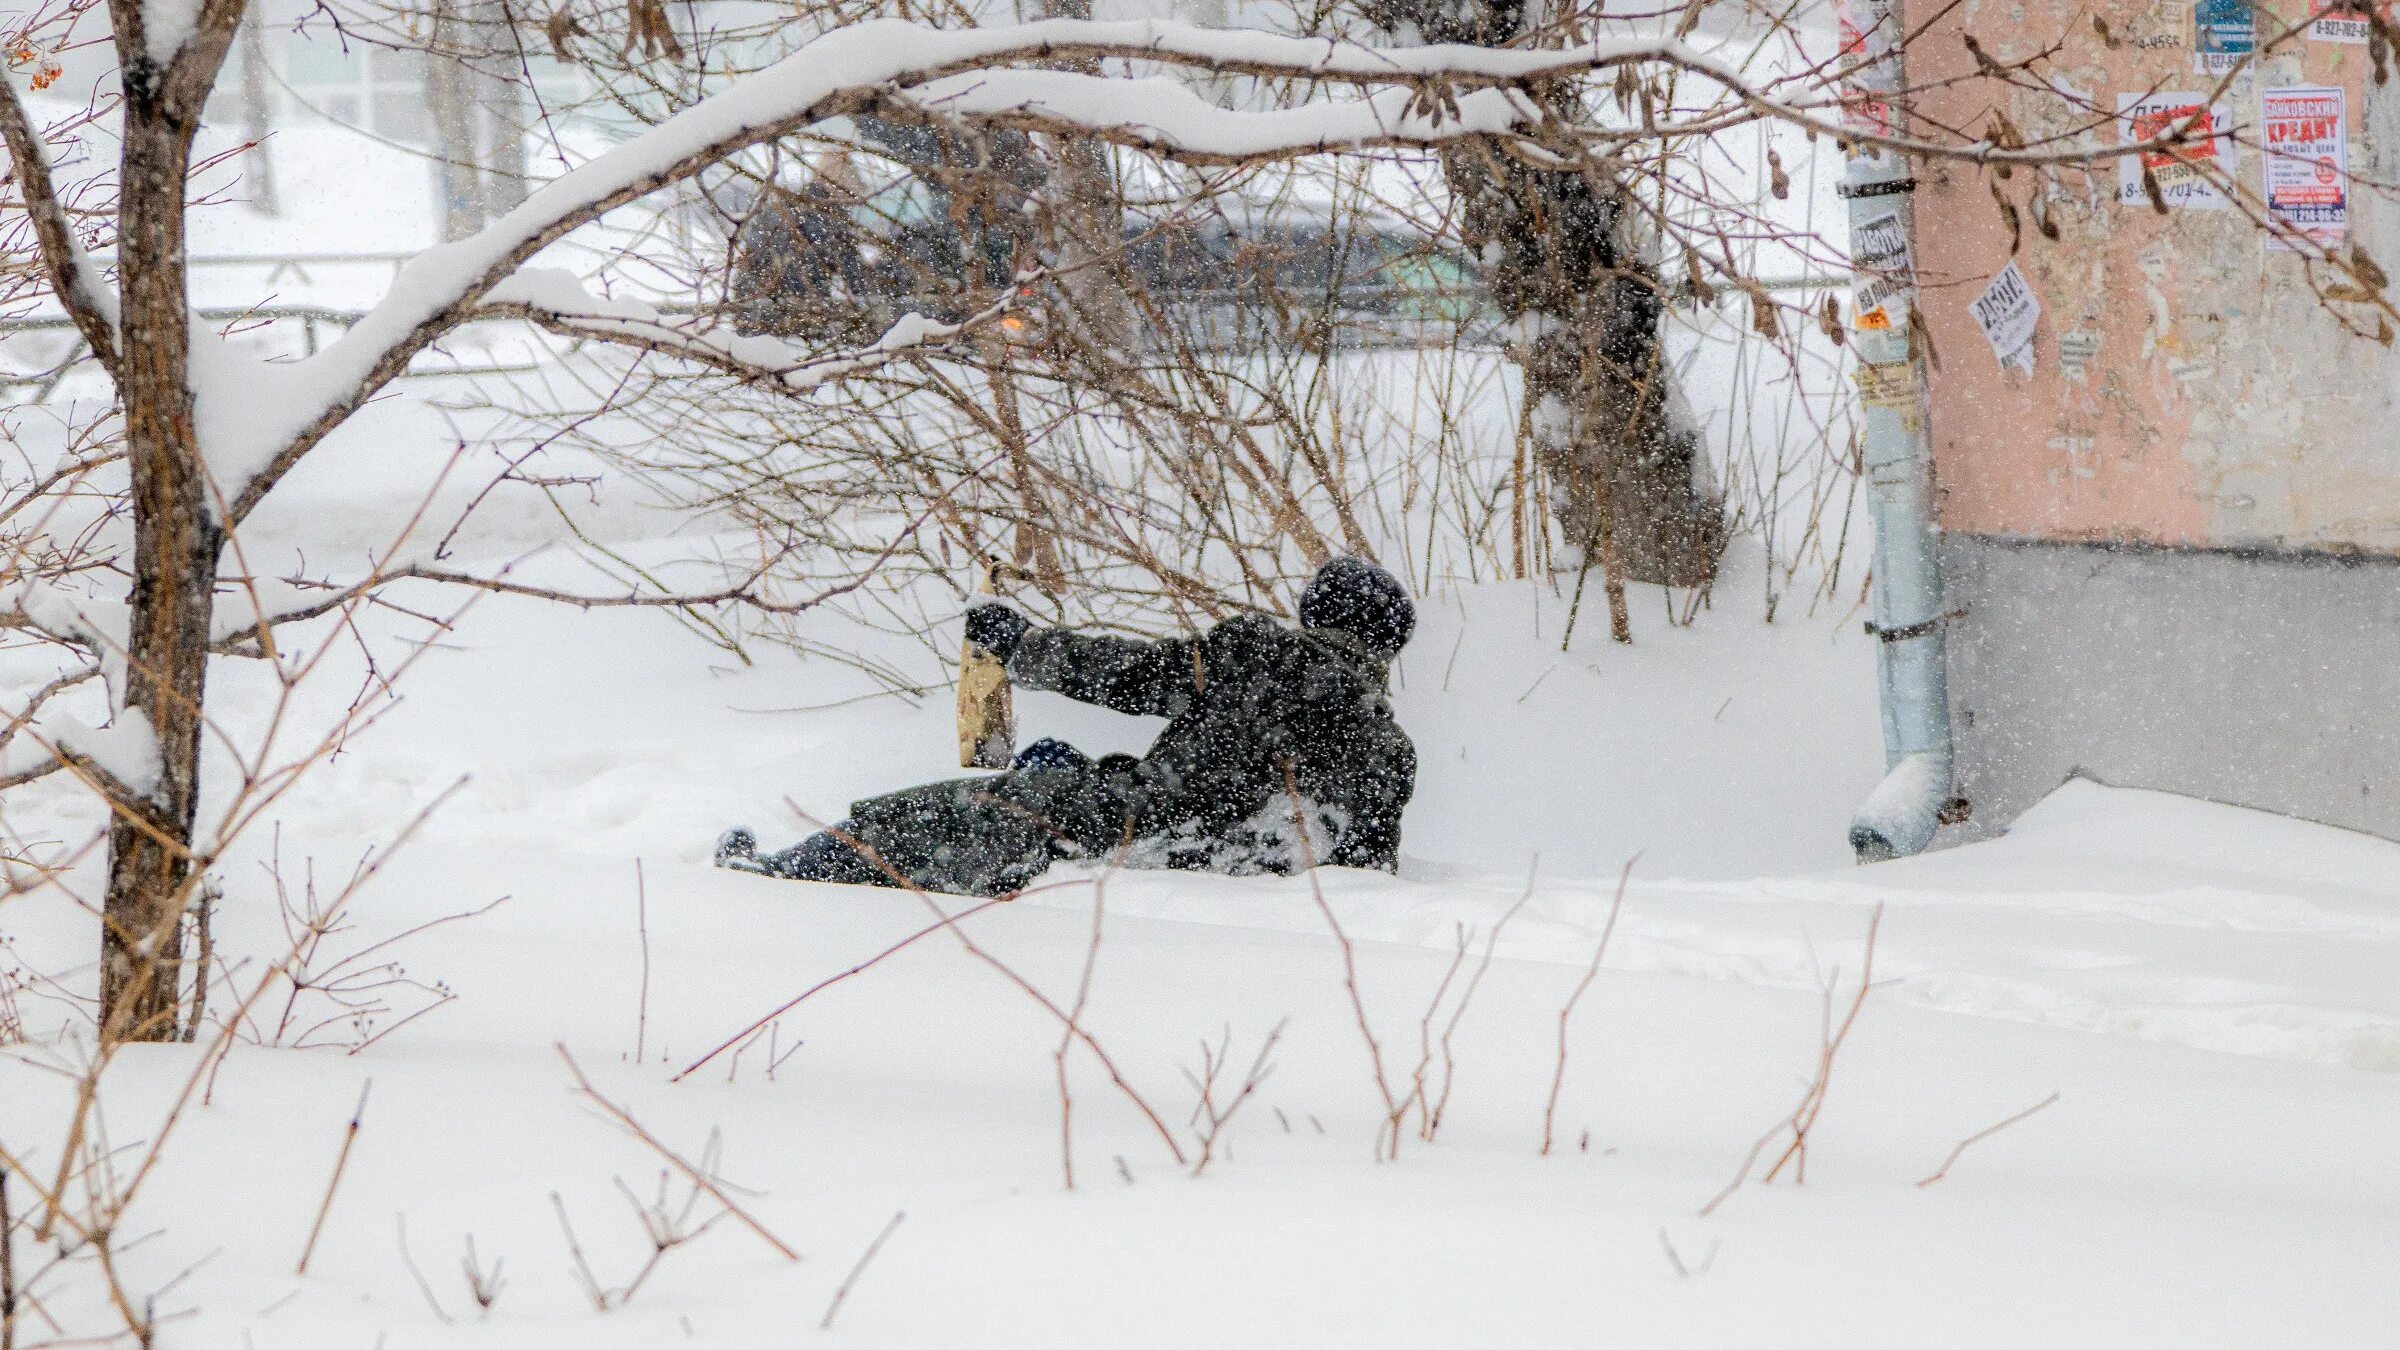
450	87
1587	309
176	544
1090	222
1563	262
255	120
502	102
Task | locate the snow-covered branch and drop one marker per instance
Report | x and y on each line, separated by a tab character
257	420
750	592
29	742
72	277
96	624
1170	119
557	302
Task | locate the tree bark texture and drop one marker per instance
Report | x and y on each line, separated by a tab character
451	90
176	535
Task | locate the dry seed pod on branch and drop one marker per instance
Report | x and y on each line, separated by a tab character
561	28
2005	136
1762	313
1697	277
1626	85
1920	339
647	25
2008	217
2363	266
1829	321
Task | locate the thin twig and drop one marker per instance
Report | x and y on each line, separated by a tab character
1813	1105
826	1324
692	1174
1985	1133
1392	1107
831	980
341	1161
205	908
641	918
1440	1106
1803	1117
8	1267
583	1267
1066	1039
1675	1258
1558	1077
409	1259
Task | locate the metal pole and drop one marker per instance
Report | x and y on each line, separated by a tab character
1899	817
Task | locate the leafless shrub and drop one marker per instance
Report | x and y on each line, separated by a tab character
484	1285
1558	1076
338	992
1209	1115
1437	1105
82	1207
1395	1106
1794	1129
702	1178
667	1221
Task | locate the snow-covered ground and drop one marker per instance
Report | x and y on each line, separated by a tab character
2110	951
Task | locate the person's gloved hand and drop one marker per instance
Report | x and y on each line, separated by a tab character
995	627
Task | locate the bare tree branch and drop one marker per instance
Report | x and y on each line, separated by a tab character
869	66
743	358
72	278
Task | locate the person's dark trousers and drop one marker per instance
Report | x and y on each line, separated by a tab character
969	836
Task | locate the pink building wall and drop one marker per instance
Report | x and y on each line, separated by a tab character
2189	386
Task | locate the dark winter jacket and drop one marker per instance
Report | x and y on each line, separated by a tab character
1242	702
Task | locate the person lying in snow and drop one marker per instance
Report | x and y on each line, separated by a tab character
1243	701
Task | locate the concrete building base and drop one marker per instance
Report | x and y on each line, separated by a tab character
2262	679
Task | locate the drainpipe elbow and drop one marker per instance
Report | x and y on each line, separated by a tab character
1899	817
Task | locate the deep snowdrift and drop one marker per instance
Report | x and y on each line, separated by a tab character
2171	1195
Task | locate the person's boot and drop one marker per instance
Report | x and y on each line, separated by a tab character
737	849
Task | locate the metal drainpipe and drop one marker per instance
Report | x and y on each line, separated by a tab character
1899	817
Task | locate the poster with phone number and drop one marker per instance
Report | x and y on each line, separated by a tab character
2187	177
2302	134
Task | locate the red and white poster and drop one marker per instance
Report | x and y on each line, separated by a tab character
2189	174
2302	135
1869	79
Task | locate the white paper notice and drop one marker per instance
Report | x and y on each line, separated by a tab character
2007	311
